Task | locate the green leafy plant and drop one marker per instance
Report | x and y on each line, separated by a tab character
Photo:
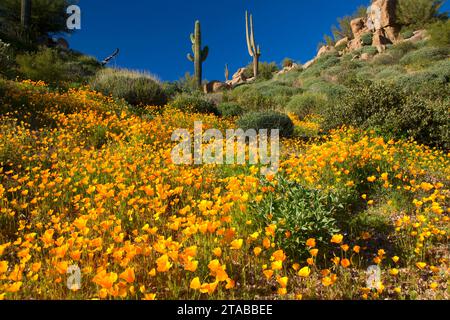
135	87
304	213
367	38
230	109
195	102
267	120
306	103
440	33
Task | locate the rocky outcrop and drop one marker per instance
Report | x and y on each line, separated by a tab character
289	68
358	26
215	86
341	43
381	14
419	35
326	49
238	78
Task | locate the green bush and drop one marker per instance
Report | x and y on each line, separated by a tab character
400	49
305	213
134	87
390	72
265	70
267	120
417	13
307	103
424	57
384	59
6	59
440	34
432	83
250	98
367	39
341	47
388	109
45	65
370	50
230	109
330	90
57	66
195	102
407	34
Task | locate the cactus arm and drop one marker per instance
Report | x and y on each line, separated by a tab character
252	35
247	34
192	38
190	57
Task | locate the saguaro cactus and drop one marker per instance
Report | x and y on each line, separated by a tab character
25	13
227	72
253	49
200	54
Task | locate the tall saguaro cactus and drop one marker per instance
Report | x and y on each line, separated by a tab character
200	54
253	49
25	13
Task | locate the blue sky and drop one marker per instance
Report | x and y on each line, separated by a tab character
153	35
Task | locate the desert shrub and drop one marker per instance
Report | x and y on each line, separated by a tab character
370	50
250	98
367	38
195	102
417	13
304	213
46	65
277	92
341	47
267	120
400	49
230	109
342	72
6	59
136	88
330	90
440	34
323	62
187	83
407	34
57	66
390	72
306	103
80	67
424	57
432	83
384	59
171	89
265	70
287	62
386	108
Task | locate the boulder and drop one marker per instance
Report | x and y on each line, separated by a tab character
215	86
309	63
342	42
419	35
325	49
238	78
379	38
365	56
358	26
382	13
355	44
